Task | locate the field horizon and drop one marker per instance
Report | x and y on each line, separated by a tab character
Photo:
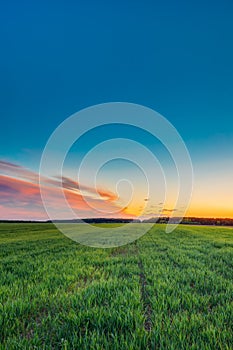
186	220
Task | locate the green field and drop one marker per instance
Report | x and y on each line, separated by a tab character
163	291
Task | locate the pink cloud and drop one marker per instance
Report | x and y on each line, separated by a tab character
20	196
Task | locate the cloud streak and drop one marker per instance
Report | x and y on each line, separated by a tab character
20	196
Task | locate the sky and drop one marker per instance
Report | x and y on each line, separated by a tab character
58	57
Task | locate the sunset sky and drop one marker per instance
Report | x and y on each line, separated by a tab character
58	57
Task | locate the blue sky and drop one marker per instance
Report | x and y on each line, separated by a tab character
58	57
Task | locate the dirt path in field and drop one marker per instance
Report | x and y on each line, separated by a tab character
147	308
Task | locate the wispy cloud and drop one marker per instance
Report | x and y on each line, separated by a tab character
168	210
17	171
20	196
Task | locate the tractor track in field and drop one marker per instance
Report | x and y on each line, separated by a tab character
147	307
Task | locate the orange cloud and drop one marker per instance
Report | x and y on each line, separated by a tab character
20	196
